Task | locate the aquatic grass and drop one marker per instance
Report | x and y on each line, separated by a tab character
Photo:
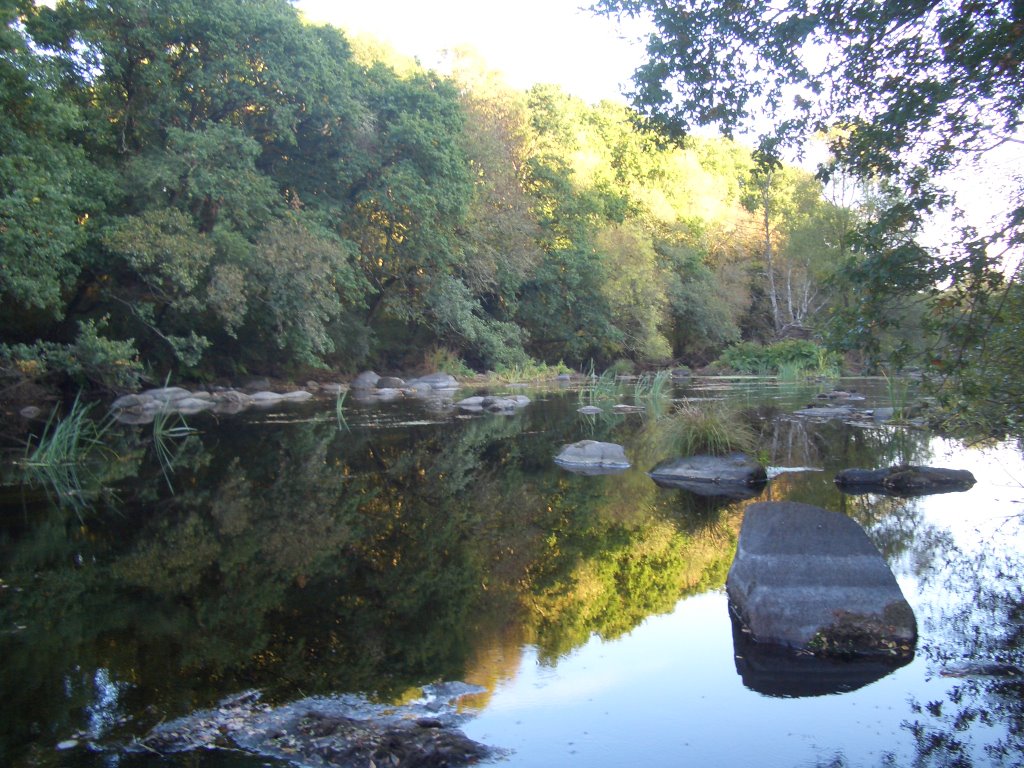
653	393
898	389
55	458
339	411
599	389
531	370
792	371
169	426
715	428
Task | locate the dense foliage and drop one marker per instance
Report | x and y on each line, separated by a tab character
220	188
906	95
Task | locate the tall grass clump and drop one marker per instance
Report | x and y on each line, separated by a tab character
55	458
899	394
599	388
530	370
653	392
714	428
169	426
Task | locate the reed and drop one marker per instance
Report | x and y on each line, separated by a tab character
653	392
898	389
169	426
55	458
339	410
714	428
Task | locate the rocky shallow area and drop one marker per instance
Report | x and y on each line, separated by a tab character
142	407
342	731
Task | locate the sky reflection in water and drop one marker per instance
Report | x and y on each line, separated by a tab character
295	556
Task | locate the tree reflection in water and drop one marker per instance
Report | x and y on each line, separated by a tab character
302	559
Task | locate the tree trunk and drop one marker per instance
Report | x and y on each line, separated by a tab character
769	261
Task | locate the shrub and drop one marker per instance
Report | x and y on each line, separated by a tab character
90	361
791	358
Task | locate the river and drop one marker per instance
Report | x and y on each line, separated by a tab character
300	554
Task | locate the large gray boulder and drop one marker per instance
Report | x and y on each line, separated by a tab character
736	475
436	381
905	480
390	382
365	380
592	458
811	579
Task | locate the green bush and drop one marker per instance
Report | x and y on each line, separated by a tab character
792	356
90	361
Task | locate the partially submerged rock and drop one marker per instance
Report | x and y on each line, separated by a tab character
827	412
736	475
811	579
842	395
626	408
342	731
591	457
904	480
436	381
494	404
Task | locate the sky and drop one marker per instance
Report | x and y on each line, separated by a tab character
529	41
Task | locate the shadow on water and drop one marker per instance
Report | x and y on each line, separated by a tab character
416	545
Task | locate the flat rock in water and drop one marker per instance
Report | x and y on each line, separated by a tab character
811	579
589	410
734	475
827	413
904	480
505	404
592	457
265	398
192	405
624	408
298	395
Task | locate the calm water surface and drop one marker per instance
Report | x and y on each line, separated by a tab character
412	544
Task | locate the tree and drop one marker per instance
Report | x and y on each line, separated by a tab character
44	175
903	93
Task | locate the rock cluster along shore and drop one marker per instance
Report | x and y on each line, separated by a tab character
142	407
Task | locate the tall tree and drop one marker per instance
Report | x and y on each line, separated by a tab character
904	92
46	180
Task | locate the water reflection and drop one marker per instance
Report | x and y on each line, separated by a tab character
777	671
416	546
